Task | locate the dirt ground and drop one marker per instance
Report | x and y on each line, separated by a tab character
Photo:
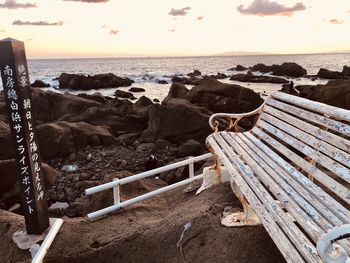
150	232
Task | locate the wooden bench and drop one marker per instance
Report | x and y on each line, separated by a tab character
292	171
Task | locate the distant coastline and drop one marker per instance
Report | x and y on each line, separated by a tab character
225	54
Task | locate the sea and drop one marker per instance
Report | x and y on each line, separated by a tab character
147	71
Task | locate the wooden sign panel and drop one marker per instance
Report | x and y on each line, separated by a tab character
16	85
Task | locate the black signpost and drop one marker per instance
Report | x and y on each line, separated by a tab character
15	79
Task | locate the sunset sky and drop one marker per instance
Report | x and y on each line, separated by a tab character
112	28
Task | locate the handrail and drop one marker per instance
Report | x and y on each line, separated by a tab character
143	197
117	182
40	254
233	115
149	173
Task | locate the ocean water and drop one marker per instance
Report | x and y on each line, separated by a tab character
146	71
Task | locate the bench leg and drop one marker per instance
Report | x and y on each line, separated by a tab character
246	218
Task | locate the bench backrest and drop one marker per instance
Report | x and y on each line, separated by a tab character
314	136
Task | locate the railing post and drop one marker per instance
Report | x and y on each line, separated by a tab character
116	193
191	171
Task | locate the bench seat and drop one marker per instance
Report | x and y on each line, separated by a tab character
293	170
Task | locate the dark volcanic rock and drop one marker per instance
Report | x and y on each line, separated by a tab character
219	76
240	68
249	77
177	90
195	73
81	82
289	69
96	97
124	94
65	138
190	148
40	84
177	121
187	81
335	93
7	147
9	189
162	81
221	97
135	89
329	74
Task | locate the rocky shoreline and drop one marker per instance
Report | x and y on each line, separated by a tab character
86	140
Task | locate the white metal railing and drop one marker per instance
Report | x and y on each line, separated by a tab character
116	183
39	253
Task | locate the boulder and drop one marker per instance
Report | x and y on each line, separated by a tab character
162	81
55	141
195	73
135	89
60	139
124	94
250	77
9	188
96	97
81	82
177	121
39	84
289	69
328	74
219	76
7	147
51	106
222	97
141	107
240	68
190	148
335	93
188	81
177	90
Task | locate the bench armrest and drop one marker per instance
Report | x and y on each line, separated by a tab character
238	116
330	252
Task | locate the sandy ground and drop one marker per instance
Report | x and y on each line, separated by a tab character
150	231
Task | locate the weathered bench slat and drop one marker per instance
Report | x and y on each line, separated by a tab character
323	140
277	130
279	189
337	113
273	165
313	117
275	187
323	178
282	242
319	147
296	193
279	163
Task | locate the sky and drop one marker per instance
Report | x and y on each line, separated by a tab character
118	28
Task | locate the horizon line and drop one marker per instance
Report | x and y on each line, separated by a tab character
194	56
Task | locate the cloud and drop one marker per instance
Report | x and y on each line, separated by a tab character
172	30
179	12
113	32
336	21
267	8
200	18
39	23
88	1
12	4
2	30
105	26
